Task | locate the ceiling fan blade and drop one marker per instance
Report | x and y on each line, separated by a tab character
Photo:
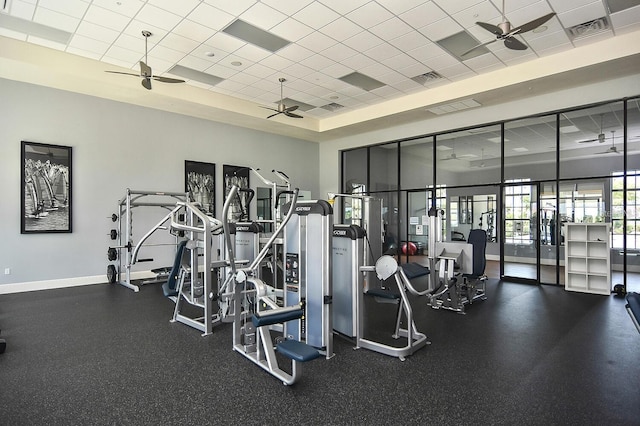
168	80
514	44
291	108
588	141
292	115
534	24
145	70
273	115
146	83
494	29
480	45
125	73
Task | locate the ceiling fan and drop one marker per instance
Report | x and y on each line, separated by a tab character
601	138
282	109
145	70
613	148
503	31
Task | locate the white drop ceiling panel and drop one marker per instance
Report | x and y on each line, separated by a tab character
182	7
341	29
389	40
343	7
423	15
316	15
21	9
263	16
106	18
127	8
73	8
292	30
211	17
56	19
582	14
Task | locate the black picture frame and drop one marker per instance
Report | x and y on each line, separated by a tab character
45	188
238	175
200	184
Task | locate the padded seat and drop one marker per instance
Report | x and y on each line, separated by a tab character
414	270
269	319
297	351
384	294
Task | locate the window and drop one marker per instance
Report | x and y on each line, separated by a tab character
633	209
517	203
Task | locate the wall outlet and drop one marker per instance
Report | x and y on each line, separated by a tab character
7	271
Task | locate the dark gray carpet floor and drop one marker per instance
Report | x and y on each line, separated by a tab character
528	355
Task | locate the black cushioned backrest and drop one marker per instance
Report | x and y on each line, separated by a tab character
176	265
478	238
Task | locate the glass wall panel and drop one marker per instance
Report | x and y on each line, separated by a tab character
549	232
469	157
416	163
383	167
354	169
591	141
530	148
633	201
520	229
354	181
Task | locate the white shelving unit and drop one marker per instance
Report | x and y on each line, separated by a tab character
587	258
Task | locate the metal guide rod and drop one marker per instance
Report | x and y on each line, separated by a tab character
134	255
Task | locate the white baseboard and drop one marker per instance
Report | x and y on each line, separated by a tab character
65	282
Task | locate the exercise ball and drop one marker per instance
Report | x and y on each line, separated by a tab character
409	248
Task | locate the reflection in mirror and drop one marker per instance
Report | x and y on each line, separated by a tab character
530	148
469	157
383	167
591	141
263	207
416	163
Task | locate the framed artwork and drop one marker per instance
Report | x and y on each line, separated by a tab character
239	208
45	188
200	184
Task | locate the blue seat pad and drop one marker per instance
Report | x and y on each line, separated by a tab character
297	351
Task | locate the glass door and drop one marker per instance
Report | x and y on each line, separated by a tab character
521	229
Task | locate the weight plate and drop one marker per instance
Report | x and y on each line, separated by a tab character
111	274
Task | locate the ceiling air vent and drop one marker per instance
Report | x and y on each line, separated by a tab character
332	106
589	28
426	78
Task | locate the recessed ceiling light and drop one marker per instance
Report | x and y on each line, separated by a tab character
540	29
236	63
209	54
334	97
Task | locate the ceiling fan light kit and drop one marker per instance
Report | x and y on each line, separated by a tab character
145	70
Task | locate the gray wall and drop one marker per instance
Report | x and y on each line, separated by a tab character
116	146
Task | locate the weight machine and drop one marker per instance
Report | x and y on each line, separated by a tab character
126	252
197	276
459	267
349	270
308	273
258	311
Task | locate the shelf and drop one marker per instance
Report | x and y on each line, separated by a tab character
587	258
